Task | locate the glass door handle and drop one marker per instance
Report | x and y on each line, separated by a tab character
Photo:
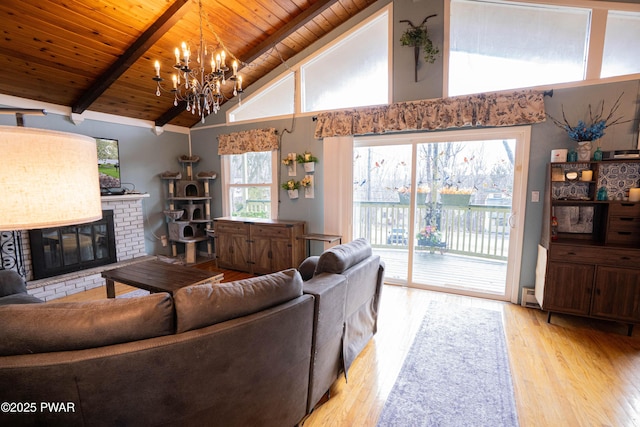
512	220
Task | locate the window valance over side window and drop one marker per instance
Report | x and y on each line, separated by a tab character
488	109
248	141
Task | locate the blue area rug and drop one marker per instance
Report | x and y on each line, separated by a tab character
455	374
134	294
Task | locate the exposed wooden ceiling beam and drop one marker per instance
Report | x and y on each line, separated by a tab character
291	27
168	19
171	113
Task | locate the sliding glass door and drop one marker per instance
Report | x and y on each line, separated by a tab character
444	210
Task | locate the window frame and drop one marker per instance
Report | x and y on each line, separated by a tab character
225	168
595	41
388	9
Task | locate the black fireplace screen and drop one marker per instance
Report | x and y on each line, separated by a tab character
61	250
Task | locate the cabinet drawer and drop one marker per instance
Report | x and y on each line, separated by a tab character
624	223
581	254
270	231
623	238
624	230
595	255
231	227
624	209
620	257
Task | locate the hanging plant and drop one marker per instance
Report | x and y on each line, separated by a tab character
417	36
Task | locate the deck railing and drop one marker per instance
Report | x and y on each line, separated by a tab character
475	230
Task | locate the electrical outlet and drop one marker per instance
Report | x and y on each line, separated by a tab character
163	239
535	196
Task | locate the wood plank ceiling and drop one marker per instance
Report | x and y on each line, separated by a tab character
99	54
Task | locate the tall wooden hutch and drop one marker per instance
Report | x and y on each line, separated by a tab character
589	259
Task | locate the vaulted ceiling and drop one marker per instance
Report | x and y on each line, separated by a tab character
99	55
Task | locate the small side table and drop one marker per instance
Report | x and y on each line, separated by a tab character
327	238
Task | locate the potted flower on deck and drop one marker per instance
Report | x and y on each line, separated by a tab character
292	188
455	197
430	237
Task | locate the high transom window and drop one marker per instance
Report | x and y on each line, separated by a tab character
498	45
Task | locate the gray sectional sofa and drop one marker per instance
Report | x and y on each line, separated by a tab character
261	351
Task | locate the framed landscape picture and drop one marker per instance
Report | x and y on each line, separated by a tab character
108	162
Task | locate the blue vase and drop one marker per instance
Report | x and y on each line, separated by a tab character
597	155
602	194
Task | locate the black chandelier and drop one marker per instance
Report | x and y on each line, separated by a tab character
199	82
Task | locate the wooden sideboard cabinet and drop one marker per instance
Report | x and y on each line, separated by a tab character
258	246
589	265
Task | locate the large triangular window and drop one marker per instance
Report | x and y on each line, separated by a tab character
352	71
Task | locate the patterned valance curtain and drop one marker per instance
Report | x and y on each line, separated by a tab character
248	141
489	109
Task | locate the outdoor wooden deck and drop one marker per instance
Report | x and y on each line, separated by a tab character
449	271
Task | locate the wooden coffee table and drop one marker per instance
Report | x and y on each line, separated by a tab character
158	276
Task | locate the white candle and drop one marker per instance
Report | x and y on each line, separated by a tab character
235	68
239	82
185	52
218	62
175	81
177	52
222	58
587	175
157	66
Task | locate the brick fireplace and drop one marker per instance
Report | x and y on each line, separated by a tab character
129	238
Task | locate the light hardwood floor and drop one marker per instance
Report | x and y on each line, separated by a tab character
572	372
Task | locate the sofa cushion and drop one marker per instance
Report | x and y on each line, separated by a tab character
203	305
11	283
63	326
20	299
339	258
308	267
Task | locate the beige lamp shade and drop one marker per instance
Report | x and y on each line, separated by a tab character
47	179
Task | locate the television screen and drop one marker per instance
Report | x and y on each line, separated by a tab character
108	163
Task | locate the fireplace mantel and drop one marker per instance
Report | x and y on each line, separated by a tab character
120	197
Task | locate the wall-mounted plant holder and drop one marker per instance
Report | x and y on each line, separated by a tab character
293	194
308	185
290	163
417	37
308	161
